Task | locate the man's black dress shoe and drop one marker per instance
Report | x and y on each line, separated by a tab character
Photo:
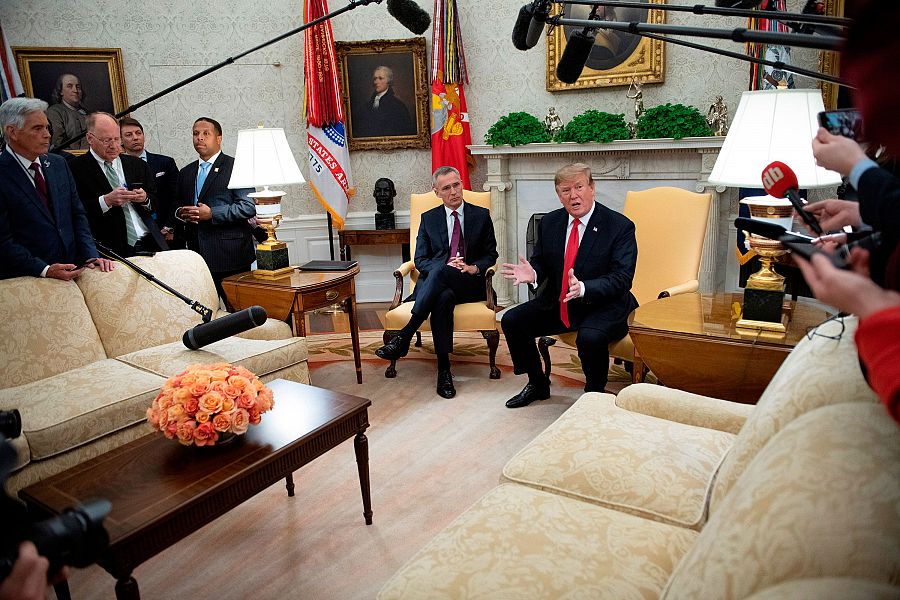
529	394
445	384
395	349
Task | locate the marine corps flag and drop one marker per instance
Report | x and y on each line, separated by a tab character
329	157
450	132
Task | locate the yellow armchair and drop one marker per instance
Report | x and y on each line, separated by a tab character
670	226
470	316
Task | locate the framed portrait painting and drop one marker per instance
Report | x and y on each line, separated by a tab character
74	82
385	93
617	58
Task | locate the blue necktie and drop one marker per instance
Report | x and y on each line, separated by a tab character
201	177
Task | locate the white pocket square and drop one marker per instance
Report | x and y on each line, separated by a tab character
161	173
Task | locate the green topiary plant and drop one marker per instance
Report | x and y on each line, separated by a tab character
672	121
594	126
516	129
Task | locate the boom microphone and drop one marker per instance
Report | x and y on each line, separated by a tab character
738	3
409	15
219	329
573	58
779	180
772	231
520	29
540	12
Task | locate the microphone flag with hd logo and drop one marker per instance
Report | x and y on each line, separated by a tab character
450	132
327	152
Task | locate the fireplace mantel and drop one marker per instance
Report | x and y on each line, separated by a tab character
520	180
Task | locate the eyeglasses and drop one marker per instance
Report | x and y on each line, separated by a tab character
106	141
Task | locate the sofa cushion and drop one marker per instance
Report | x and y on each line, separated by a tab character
64	411
822	370
131	313
44	318
518	542
628	461
684	407
260	357
820	499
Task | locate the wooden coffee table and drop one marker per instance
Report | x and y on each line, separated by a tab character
162	491
690	342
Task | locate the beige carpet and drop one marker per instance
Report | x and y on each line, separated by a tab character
430	459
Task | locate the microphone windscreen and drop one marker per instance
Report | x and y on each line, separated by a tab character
520	29
778	178
571	63
219	329
536	27
409	15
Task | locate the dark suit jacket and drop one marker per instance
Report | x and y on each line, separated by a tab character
433	245
165	174
605	263
31	237
109	227
226	241
879	206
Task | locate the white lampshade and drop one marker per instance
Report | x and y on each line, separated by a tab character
263	158
773	125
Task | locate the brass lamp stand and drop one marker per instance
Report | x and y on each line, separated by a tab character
764	293
271	255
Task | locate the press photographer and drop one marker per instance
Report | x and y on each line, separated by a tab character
34	555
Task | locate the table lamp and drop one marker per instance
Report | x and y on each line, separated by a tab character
770	125
263	158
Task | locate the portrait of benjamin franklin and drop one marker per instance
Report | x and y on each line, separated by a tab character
611	48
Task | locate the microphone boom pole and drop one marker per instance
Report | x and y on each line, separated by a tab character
740	34
353	4
198	308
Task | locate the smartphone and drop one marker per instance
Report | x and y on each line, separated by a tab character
807	250
85	263
137	185
846	122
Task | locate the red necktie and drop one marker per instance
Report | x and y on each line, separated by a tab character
40	184
568	263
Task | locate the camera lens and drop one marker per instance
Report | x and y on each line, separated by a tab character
75	538
10	423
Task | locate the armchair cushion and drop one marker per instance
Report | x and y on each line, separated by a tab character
471	316
600	453
518	542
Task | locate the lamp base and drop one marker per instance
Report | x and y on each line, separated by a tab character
762	310
273	274
272	260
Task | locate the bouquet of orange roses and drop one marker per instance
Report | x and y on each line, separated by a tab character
205	402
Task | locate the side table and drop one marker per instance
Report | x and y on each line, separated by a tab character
290	297
373	237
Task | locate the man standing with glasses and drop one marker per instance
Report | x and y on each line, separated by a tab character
117	191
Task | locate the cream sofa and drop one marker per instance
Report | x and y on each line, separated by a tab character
660	493
83	360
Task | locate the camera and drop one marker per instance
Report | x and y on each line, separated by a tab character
76	537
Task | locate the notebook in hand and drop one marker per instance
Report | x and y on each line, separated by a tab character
328	265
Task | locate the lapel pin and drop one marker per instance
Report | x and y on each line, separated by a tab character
595	230
216	170
46	163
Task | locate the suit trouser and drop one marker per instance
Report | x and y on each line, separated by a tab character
438	294
524	323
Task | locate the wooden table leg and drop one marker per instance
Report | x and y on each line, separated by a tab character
127	588
62	591
361	447
289	484
299	319
354	335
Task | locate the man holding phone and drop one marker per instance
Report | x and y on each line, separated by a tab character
117	191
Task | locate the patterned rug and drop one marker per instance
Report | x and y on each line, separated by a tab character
469	347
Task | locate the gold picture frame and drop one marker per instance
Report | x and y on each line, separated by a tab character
403	118
830	61
100	71
617	58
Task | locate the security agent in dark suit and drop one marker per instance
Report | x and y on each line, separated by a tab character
214	218
117	191
585	282
162	168
452	253
43	229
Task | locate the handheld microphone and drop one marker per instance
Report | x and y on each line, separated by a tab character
520	28
772	231
410	15
574	57
219	329
780	181
540	12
